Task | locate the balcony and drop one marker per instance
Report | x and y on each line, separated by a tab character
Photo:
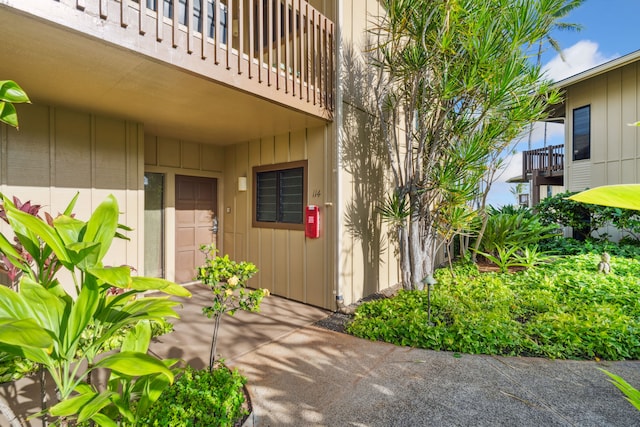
251	67
547	162
543	166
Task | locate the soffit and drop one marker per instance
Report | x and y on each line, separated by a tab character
66	68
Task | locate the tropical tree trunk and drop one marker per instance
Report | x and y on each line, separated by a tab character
6	410
405	265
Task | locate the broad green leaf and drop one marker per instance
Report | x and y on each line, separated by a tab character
122	404
142	309
120	277
8	114
626	196
152	387
24	333
13	305
138	338
26	236
46	306
134	364
73	405
82	312
151	308
165	286
10	91
11	253
69	229
104	421
90	409
40	229
35	354
103	224
84	255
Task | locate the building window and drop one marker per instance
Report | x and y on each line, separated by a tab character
153	224
582	133
280	195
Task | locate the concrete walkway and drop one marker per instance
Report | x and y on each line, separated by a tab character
301	375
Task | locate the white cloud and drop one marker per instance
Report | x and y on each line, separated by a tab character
578	58
512	167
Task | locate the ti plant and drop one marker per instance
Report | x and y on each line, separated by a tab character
227	280
44	320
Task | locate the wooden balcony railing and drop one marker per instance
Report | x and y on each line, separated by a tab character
279	49
548	161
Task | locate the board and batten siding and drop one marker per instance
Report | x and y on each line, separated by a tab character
59	152
369	261
171	157
614	98
289	264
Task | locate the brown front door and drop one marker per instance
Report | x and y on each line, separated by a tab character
196	214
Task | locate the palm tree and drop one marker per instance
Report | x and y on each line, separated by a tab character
555	17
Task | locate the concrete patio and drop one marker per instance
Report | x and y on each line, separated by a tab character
302	375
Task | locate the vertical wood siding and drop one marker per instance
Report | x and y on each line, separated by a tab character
59	152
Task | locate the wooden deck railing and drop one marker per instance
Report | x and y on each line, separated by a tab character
286	45
549	161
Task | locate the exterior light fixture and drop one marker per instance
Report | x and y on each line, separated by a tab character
242	183
428	282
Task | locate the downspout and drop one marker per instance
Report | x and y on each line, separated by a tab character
339	228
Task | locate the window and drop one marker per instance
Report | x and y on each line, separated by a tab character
153	224
582	133
280	195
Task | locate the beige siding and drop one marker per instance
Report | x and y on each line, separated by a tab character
59	152
367	260
172	157
615	147
289	264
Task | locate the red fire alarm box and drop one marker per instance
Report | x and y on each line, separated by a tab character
312	222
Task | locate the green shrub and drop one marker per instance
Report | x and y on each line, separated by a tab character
509	231
200	398
586	219
626	248
564	309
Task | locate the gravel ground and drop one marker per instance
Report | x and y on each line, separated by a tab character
338	321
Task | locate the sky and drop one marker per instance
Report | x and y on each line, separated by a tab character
610	29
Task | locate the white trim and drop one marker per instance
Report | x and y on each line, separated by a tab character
600	69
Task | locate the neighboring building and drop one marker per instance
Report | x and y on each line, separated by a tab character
600	147
221	138
600	103
543	169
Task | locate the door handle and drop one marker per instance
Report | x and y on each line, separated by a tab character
214	227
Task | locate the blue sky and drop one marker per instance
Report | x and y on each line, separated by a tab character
610	30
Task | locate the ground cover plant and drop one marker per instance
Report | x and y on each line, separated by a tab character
204	398
563	309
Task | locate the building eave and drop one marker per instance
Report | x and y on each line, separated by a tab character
600	69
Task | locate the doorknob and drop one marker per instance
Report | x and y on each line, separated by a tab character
214	228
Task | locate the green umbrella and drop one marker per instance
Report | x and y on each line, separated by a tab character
625	196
